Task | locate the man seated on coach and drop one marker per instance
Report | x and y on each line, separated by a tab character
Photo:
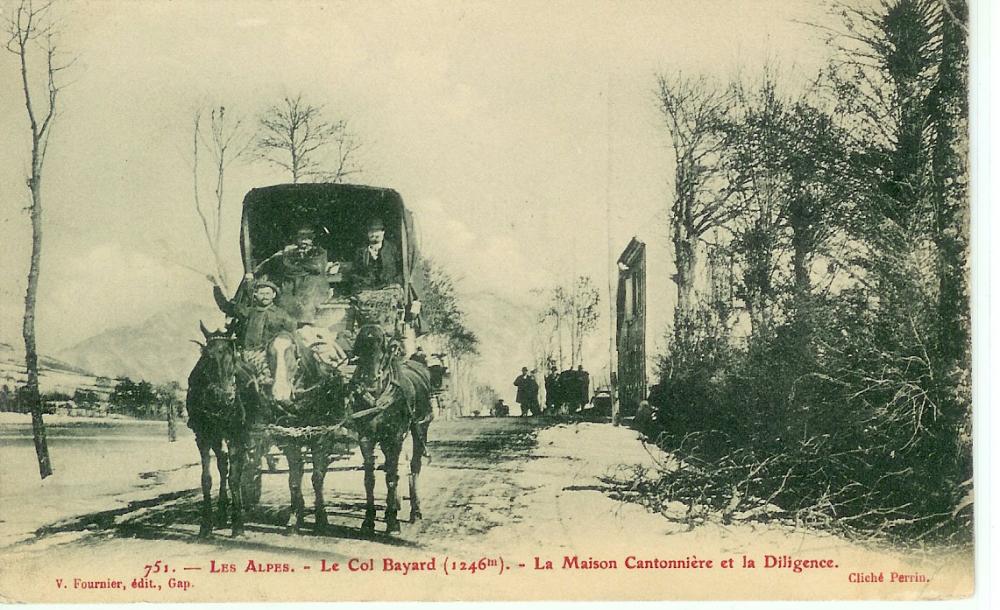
377	264
299	271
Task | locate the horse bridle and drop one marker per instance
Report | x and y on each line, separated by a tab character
229	393
380	383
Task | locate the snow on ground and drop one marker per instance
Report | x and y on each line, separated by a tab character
99	464
517	489
567	512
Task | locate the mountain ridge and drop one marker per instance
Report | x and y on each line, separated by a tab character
158	349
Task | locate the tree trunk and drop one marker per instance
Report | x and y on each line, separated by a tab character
803	246
559	338
171	422
32	392
295	158
950	194
684	261
574	336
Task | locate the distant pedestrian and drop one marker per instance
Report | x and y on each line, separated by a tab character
534	406
583	384
526	388
439	372
419	356
501	409
551	388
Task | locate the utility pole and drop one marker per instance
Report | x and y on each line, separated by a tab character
608	264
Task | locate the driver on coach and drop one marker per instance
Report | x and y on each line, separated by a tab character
257	322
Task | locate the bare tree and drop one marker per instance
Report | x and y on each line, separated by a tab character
226	141
575	308
31	28
585	313
543	348
294	136
694	110
555	312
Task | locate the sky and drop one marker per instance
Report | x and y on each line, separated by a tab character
508	127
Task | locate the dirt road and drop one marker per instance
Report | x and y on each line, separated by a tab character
503	495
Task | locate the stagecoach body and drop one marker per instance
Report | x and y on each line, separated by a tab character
339	214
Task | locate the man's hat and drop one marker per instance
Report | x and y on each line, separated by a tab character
266	284
524	369
376	224
305	231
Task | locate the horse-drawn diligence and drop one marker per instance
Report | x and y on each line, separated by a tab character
314	358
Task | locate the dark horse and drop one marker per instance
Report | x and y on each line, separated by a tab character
390	399
304	407
222	405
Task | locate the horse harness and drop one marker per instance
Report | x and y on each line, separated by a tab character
381	393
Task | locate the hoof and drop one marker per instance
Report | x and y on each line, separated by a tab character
415	515
392	527
368	526
205	531
294	526
296	522
321	522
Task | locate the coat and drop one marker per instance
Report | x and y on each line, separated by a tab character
527	389
373	274
551	389
302	280
583	379
255	326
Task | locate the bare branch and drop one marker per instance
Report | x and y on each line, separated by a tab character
294	137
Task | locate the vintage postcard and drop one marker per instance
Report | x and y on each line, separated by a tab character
485	301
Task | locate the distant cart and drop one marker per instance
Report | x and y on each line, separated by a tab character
601	401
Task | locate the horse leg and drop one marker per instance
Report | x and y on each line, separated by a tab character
237	472
296	520
222	463
419	431
270	460
206	487
368	454
254	483
391	450
320	460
